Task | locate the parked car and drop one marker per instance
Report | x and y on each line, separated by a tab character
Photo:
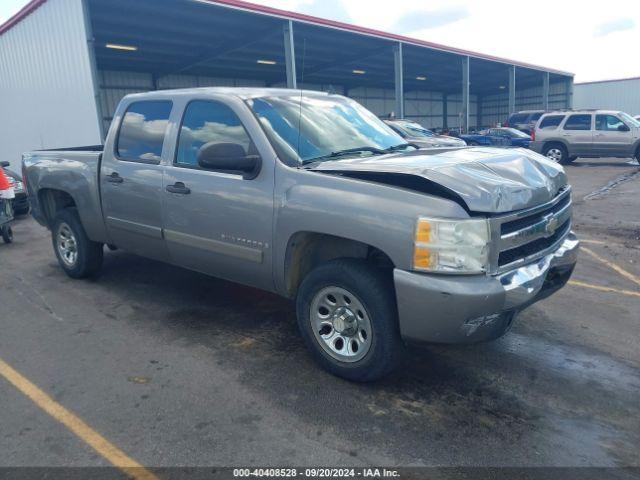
20	203
524	120
565	136
517	138
416	134
485	138
311	196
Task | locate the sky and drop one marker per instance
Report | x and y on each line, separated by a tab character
593	39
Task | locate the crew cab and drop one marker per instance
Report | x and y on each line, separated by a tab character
311	196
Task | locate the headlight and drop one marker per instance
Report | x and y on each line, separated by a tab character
451	246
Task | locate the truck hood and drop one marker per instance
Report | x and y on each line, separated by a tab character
486	180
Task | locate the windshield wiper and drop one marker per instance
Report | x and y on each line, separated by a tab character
346	151
402	146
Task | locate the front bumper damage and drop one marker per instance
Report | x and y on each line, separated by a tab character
468	309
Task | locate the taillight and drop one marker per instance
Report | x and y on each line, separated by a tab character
533	134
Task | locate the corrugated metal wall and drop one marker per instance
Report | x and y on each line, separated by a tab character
46	88
423	107
614	95
495	108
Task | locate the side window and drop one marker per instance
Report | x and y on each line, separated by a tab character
206	122
578	122
551	121
535	117
143	130
610	123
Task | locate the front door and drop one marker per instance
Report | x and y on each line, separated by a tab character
612	137
218	222
131	180
578	133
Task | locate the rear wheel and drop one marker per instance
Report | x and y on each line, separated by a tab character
557	152
78	256
347	316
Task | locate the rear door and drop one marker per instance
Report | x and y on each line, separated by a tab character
612	137
218	222
131	178
577	131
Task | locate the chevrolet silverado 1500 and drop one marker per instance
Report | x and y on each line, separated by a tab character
311	196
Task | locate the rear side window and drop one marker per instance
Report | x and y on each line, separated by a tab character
207	122
578	122
535	117
518	118
143	130
551	121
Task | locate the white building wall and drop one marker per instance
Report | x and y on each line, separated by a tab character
46	87
612	95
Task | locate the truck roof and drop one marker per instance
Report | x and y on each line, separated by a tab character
240	92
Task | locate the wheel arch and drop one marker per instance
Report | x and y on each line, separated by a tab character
307	249
53	200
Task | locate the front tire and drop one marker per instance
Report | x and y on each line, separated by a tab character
348	319
78	256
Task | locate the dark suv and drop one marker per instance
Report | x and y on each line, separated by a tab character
524	120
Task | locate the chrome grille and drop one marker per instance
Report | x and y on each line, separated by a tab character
527	235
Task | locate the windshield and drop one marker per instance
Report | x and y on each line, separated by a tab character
304	128
513	133
413	129
629	119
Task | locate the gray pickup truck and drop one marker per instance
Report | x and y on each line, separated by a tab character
311	196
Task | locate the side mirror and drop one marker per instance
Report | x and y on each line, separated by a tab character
623	128
4	164
228	157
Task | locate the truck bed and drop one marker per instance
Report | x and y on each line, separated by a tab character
66	175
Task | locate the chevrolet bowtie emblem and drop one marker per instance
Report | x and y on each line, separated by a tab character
551	224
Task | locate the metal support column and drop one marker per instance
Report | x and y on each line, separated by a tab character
94	70
545	91
399	80
290	55
445	113
570	93
464	112
512	89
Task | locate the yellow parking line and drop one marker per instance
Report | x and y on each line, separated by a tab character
603	289
92	438
615	267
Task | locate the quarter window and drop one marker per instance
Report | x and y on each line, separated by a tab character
608	122
551	121
207	122
578	122
143	130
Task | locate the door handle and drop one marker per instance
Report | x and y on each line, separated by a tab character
179	187
115	178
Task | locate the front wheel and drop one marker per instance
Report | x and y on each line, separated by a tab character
348	319
78	256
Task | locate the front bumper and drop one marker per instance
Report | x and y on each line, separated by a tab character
467	309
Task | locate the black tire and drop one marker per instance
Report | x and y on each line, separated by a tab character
471	143
88	259
562	156
21	211
7	234
373	288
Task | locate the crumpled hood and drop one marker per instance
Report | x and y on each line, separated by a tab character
491	180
